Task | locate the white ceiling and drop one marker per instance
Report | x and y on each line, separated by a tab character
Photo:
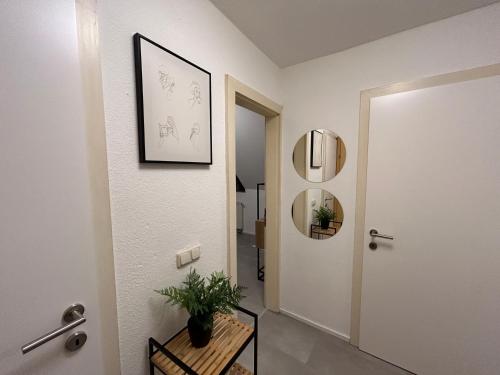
293	31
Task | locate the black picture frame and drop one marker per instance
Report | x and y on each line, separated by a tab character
137	40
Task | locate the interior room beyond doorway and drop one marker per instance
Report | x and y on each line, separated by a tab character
250	205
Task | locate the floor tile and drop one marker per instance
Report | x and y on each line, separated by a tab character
247	274
333	356
290	347
289	335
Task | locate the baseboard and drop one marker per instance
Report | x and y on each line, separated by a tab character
316	325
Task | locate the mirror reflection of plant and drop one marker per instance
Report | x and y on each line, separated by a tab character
324	215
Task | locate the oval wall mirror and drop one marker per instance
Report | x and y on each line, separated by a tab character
319	155
317	214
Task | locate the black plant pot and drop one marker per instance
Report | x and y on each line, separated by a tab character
325	224
200	329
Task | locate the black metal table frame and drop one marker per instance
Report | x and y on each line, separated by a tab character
260	269
161	348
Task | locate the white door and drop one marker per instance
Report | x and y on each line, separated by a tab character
330	149
431	297
46	241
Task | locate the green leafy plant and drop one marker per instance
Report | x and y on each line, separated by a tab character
200	298
324	215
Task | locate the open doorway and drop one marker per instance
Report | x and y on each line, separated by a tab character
238	94
251	205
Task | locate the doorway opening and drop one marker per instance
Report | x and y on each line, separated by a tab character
250	205
266	181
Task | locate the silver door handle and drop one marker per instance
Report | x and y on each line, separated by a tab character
73	315
375	233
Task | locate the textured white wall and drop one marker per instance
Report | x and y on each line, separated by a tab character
158	209
250	147
324	93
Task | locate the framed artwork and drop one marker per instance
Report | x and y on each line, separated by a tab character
316	149
174	106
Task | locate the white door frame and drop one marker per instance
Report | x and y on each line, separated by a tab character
88	44
238	93
364	124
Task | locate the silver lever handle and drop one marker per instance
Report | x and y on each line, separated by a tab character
375	233
73	315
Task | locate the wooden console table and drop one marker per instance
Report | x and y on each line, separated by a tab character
230	337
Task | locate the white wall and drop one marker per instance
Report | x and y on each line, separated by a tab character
250	163
249	199
250	147
324	93
158	209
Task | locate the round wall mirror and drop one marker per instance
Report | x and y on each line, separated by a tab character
317	214
319	155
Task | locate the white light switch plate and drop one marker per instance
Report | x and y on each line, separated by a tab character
195	252
186	256
183	257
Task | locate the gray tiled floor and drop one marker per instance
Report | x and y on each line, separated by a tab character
289	347
247	274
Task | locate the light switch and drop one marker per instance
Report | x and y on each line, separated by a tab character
195	252
183	257
188	255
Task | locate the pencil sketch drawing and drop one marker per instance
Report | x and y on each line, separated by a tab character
195	135
174	106
195	93
168	130
167	82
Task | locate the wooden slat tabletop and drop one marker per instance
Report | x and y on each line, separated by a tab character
228	336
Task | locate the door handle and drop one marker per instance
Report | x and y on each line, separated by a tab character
375	233
73	315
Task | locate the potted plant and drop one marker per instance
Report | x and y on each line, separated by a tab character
202	300
324	215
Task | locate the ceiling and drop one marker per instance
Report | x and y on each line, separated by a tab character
293	31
